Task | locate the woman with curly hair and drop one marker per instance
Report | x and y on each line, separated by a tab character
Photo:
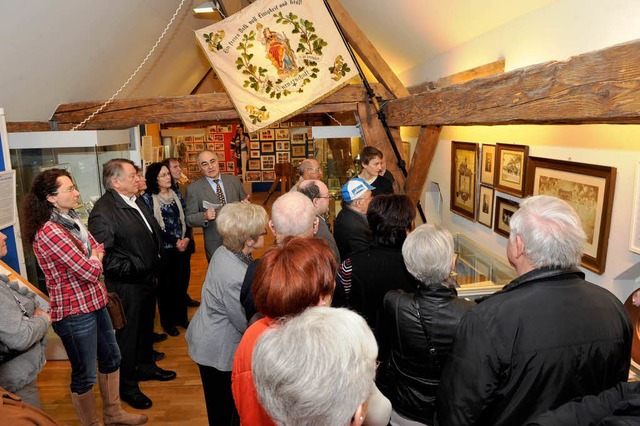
71	260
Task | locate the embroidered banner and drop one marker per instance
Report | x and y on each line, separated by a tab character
276	58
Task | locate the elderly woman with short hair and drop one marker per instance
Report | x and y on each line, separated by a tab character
316	369
217	327
423	326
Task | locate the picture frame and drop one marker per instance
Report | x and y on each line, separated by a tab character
192	157
299	151
225	129
198	138
589	189
283	157
297	123
268	162
268	176
210	146
267	147
189	146
254	154
254	145
221	155
485	206
282	146
231	166
218	137
510	168
253	176
222	166
634	238
487	164
218	146
504	209
464	166
285	124
198	146
253	164
267	134
254	136
298	138
282	134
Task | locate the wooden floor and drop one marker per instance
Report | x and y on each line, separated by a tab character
178	402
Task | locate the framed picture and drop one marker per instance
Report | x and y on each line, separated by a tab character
464	164
267	162
297	138
274	125
511	162
284	124
225	129
210	146
189	146
634	238
231	166
589	189
218	137
254	154
188	139
268	176
254	176
198	146
254	145
192	157
282	134
218	146
220	155
282	157
487	164
504	209
253	164
267	134
299	151
254	136
222	166
485	206
192	168
282	146
198	138
267	146
296	123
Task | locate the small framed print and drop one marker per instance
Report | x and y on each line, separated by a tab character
464	163
222	166
298	138
221	155
231	166
268	176
282	146
487	164
485	206
192	157
274	125
298	151
282	157
267	134
282	134
284	125
188	139
254	176
254	154
210	146
189	146
253	164
267	146
254	136
254	145
504	209
218	137
218	146
296	124
511	163
267	162
198	138
225	129
198	146
193	168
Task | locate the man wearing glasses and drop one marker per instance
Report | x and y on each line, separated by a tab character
309	170
318	192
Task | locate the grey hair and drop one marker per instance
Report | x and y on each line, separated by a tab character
237	222
428	253
307	163
309	188
113	169
315	369
551	231
293	214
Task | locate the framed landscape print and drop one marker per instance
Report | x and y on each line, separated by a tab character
267	162
282	146
282	157
218	146
254	136
282	134
267	146
225	129
485	206
254	176
253	164
298	151
254	145
487	164
268	176
267	134
589	189
504	209
464	163
297	138
254	154
511	162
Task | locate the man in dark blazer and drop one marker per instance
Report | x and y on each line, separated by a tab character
351	229
131	238
207	195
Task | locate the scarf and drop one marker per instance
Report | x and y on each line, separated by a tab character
71	222
245	258
159	200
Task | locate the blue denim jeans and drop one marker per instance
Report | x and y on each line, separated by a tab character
85	338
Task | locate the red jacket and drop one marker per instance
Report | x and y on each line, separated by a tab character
244	392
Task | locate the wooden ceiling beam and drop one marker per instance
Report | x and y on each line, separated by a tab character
486	70
596	87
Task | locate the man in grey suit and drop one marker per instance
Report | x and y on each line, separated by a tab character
318	192
207	195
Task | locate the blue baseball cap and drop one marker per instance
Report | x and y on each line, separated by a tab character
355	188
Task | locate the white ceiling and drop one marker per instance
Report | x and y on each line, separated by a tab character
60	51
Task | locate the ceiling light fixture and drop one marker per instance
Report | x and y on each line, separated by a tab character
207	7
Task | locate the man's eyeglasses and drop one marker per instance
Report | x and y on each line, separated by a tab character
329	197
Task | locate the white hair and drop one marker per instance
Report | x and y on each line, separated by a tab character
315	369
428	253
293	214
550	230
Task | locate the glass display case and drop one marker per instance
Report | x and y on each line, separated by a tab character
479	272
81	153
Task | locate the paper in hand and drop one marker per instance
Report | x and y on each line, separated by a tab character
207	205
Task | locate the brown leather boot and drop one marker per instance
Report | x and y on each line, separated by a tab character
86	409
111	406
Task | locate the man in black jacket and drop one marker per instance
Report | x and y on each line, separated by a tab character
546	338
131	238
351	229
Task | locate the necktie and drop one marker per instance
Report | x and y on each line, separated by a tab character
219	192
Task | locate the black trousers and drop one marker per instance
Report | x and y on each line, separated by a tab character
221	410
136	338
173	282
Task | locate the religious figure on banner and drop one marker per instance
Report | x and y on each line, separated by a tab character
279	52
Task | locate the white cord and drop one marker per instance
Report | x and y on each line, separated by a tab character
112	98
333	118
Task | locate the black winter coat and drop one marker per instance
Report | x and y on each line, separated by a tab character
421	329
546	338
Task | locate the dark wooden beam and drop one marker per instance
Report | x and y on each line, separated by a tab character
596	87
421	162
